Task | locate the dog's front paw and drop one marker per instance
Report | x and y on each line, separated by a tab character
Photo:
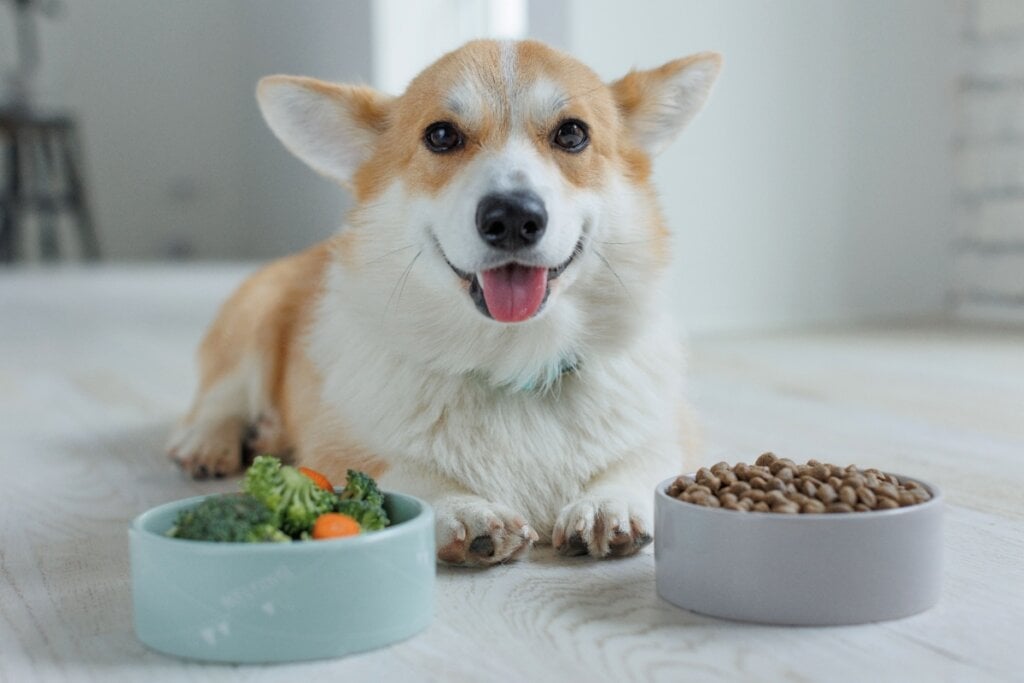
203	450
601	527
476	533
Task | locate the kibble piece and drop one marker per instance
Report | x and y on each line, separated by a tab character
835	482
776	485
746	504
808	488
761	506
775	497
758	483
848	495
812	507
861	507
867	496
728	477
887	504
754	495
827	494
907	498
765	459
787	507
728	498
707	478
719	466
738	488
887	490
840	507
785	474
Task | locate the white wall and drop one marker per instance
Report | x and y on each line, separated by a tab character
287	205
152	84
178	158
816	186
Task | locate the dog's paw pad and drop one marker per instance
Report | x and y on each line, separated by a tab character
480	534
601	527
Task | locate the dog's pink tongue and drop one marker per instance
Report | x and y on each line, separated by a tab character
513	293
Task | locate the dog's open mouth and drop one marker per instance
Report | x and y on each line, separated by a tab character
513	292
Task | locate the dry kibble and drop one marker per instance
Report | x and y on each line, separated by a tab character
812	507
781	486
867	497
827	494
848	495
738	488
887	490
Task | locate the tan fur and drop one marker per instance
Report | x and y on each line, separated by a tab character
257	365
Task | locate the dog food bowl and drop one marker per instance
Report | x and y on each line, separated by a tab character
277	602
805	569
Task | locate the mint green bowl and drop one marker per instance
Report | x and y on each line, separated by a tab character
280	602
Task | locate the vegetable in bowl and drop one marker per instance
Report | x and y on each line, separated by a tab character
283	503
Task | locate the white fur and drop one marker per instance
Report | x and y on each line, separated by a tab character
475	415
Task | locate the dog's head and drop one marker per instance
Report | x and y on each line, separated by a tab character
504	196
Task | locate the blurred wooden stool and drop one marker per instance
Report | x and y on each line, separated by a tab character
43	177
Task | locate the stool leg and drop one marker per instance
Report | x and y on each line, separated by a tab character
77	199
46	197
12	198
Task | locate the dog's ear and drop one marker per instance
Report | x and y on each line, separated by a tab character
658	103
330	127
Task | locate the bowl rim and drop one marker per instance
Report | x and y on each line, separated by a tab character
937	499
410	526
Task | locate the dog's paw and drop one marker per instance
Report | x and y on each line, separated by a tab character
476	533
601	527
208	450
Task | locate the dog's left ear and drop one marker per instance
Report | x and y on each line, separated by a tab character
658	103
331	127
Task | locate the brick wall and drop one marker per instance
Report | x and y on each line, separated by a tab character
989	148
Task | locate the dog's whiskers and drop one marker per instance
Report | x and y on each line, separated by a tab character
652	239
609	265
389	253
401	282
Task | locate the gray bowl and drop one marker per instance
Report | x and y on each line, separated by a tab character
806	569
278	602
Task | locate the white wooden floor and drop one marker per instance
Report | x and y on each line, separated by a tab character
95	364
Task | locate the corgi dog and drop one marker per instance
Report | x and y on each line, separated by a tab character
490	329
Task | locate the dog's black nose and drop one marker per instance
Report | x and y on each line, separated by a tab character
511	221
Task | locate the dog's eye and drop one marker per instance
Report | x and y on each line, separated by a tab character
442	137
571	136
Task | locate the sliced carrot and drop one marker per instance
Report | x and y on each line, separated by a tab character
318	479
334	525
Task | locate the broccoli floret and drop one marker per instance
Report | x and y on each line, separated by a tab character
230	518
294	499
370	517
361	486
363	501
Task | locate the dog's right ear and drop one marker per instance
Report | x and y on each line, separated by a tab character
330	127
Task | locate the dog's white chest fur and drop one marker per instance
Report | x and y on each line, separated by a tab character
533	451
